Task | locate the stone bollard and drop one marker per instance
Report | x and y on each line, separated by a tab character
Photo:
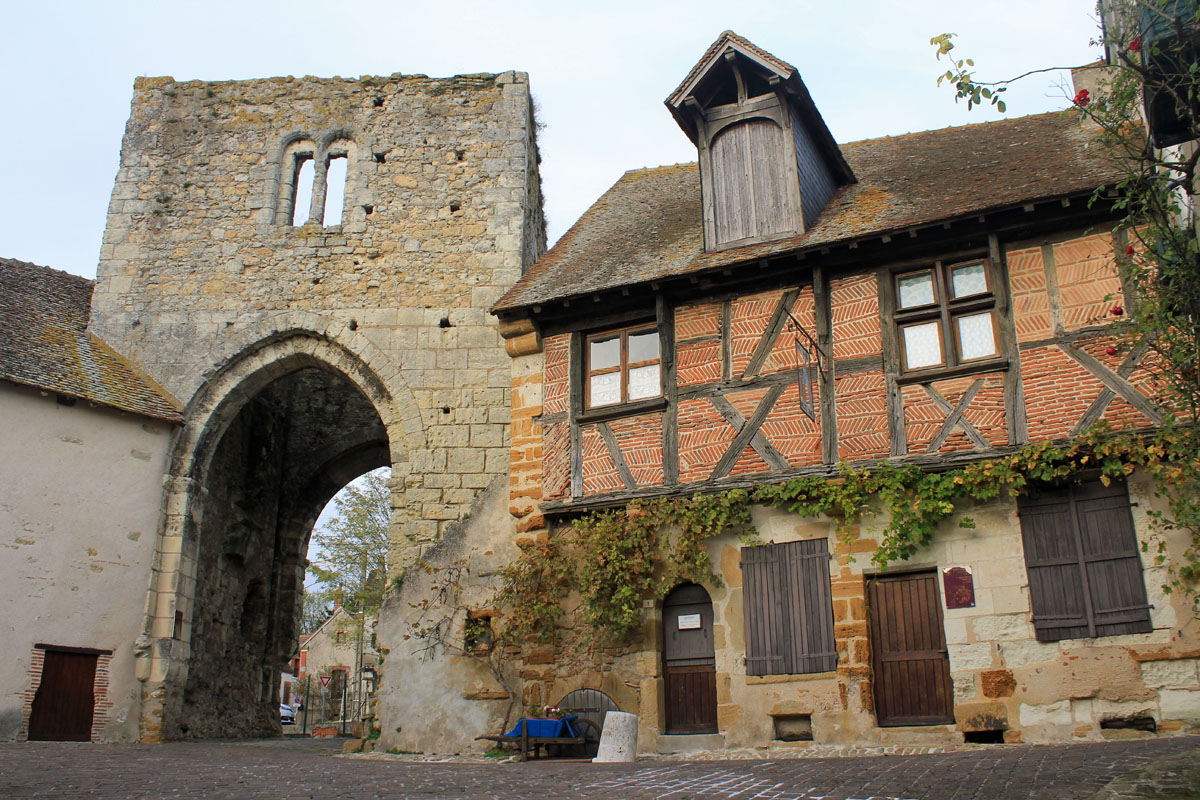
618	742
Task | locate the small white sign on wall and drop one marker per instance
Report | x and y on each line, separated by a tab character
689	622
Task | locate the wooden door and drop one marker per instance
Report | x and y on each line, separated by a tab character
689	663
64	702
908	646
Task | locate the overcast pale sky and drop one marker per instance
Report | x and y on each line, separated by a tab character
600	71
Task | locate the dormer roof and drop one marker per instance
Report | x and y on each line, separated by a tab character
647	227
714	59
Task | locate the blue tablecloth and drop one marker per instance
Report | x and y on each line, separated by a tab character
554	728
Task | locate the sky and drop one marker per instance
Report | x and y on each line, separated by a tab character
598	70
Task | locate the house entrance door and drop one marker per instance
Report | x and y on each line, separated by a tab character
64	703
689	663
908	646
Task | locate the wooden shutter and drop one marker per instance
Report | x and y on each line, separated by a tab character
763	610
1085	576
753	182
788	608
807	585
1110	556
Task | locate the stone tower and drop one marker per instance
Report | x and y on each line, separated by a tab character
307	347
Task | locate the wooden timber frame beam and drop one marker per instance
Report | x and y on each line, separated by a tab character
657	300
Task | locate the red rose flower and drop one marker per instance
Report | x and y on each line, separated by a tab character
1129	250
1112	351
1117	311
1082	98
1136	45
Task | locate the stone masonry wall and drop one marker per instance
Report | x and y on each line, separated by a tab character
441	214
206	282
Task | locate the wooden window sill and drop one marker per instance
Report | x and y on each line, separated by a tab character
942	373
623	410
759	680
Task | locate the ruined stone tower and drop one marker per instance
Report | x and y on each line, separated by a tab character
304	347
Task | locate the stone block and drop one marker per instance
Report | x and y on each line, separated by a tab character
1006	627
971	656
1024	653
462	459
1181	674
1179	703
981	717
997	683
1058	713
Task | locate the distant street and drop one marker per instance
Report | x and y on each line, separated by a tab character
299	768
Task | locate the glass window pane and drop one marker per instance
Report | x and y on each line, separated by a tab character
915	290
643	346
968	280
604	389
644	382
922	345
975	337
605	353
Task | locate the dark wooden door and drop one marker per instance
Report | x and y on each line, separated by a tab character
908	645
689	664
64	703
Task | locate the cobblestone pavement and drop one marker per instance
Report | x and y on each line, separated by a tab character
308	769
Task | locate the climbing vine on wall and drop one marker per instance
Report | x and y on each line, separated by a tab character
617	559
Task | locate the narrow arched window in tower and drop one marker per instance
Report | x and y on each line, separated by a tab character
336	169
302	189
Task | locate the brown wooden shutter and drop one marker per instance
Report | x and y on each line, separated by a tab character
763	611
807	583
1085	576
1110	556
788	608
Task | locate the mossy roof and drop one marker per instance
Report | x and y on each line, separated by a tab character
647	227
44	343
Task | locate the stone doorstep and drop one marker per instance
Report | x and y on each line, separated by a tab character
690	743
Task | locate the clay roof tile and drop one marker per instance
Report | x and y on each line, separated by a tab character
647	227
44	343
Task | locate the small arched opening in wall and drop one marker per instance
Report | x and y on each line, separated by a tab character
315	179
269	440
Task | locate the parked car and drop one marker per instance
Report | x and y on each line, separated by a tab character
287	714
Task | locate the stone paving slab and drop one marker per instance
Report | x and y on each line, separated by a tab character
283	769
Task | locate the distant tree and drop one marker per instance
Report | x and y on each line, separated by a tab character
351	559
315	610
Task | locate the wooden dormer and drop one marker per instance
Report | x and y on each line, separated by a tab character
768	164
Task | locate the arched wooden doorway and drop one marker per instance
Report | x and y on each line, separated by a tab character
689	663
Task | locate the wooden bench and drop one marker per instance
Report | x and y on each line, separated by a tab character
524	741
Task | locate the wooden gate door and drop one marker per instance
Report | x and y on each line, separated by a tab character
689	664
64	702
908	645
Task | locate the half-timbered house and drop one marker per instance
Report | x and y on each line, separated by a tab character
787	304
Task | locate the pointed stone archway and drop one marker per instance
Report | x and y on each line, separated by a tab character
268	440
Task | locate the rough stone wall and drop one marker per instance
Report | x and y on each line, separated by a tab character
439	219
438	699
1003	677
205	281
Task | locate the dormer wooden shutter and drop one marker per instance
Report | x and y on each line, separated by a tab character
1081	555
788	608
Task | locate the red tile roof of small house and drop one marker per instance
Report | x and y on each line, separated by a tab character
647	227
44	343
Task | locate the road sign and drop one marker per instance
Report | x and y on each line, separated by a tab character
325	680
